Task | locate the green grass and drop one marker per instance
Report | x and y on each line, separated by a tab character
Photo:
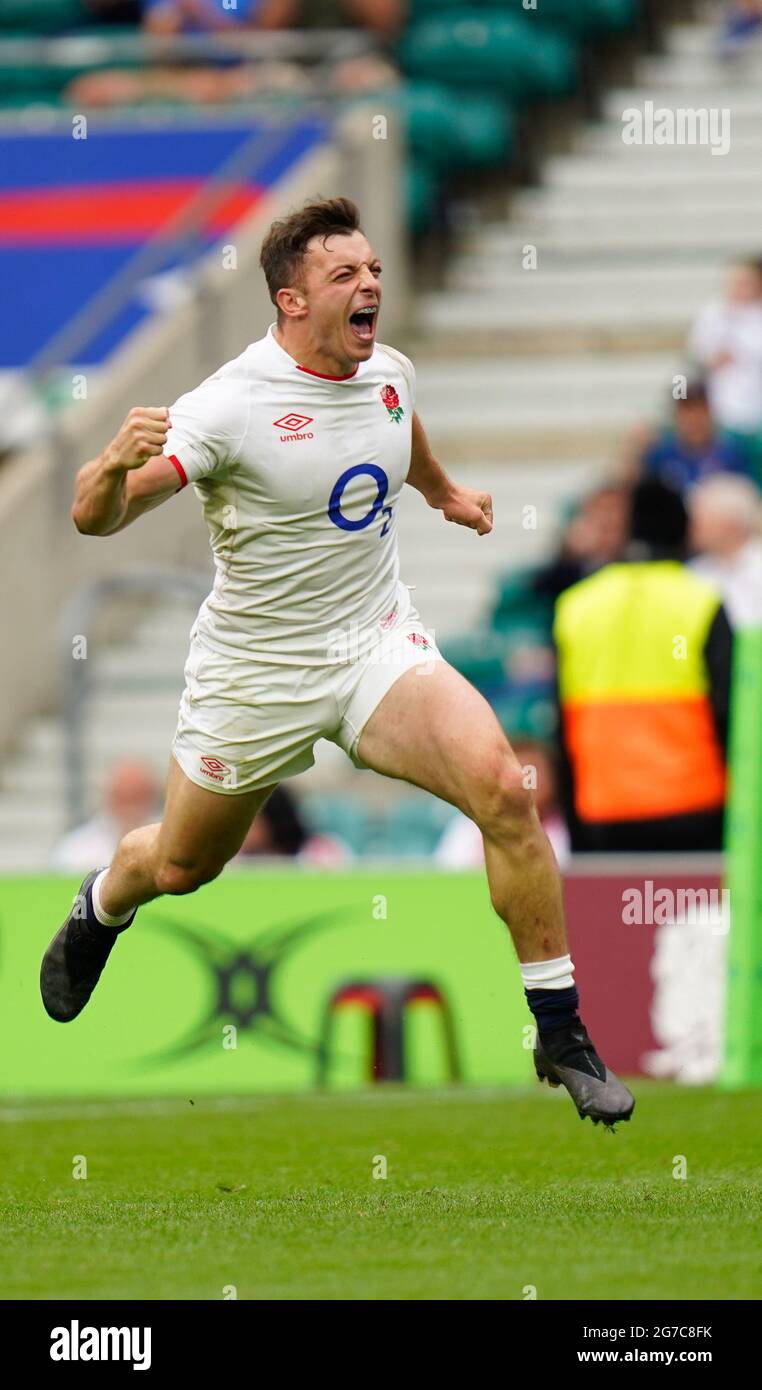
486	1192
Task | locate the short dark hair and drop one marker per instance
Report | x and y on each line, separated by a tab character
695	391
658	517
286	242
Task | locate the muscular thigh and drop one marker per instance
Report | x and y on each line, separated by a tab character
204	827
436	731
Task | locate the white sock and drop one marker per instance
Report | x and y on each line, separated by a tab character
100	912
548	974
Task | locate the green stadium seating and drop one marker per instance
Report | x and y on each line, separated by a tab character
527	716
21	83
485	128
583	18
483	48
447	128
414	826
43	16
517	607
479	656
422	190
346	817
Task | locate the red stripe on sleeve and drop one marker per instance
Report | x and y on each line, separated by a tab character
181	471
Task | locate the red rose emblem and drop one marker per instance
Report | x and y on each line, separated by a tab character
390	398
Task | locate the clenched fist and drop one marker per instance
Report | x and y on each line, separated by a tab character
468	507
142	436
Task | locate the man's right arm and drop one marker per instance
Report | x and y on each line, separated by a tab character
130	477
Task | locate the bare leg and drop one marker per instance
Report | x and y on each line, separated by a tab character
437	732
200	831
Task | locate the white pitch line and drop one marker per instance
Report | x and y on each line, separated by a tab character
117	1109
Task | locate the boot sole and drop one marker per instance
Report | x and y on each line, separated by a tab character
609	1121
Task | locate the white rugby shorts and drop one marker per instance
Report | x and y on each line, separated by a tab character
249	724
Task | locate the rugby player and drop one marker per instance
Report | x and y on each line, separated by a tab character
299	450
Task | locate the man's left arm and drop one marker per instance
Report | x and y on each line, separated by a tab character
718	655
464	505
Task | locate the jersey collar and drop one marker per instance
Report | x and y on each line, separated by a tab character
292	362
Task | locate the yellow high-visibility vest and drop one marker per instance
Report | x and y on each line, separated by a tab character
633	686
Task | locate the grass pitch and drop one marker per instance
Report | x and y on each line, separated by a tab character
486	1194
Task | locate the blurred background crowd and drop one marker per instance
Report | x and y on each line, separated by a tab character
586	319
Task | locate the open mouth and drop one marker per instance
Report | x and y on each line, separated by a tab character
363	323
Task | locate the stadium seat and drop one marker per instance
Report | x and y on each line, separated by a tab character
527	716
485	127
422	189
447	128
43	16
518	607
345	817
583	18
485	49
480	657
414	826
27	82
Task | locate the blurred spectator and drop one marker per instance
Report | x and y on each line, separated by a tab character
691	448
742	21
278	831
193	16
727	340
644	657
593	537
226	79
199	16
383	16
462	846
131	799
725	531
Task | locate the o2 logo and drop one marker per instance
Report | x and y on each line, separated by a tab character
382	483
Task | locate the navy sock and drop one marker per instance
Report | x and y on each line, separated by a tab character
553	1008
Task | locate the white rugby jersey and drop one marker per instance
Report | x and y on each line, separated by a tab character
300	476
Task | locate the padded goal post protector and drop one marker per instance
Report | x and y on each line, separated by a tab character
743	1023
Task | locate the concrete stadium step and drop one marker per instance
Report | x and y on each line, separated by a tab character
560	205
601	311
585	241
598	293
604	141
700	74
26	775
29	856
34	817
583	391
536	294
634	283
644	170
690	39
452	571
744	100
149	664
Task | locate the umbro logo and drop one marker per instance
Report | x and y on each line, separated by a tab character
295	424
216	769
